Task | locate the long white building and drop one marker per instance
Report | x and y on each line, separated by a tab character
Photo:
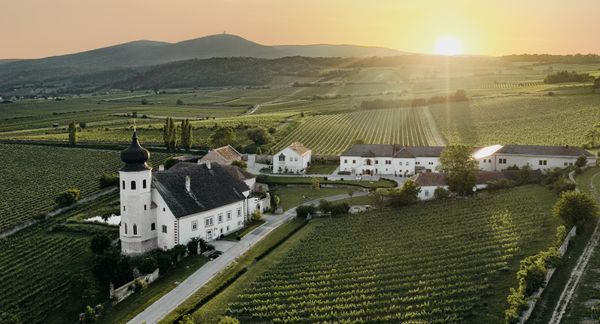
190	200
406	161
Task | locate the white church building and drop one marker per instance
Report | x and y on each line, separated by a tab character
170	207
406	161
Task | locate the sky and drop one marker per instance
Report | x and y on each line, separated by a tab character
40	28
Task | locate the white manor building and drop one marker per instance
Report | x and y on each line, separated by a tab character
406	161
170	207
293	159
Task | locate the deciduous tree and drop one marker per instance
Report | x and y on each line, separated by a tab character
461	168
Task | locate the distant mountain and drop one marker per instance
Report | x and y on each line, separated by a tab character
144	54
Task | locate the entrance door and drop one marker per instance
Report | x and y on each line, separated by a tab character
209	235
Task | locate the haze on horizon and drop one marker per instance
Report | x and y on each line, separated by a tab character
40	28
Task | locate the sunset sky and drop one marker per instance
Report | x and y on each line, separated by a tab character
39	28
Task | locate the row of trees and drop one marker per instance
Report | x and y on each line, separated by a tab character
457	96
170	137
566	76
227	136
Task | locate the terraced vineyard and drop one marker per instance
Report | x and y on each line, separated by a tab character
34	175
434	263
332	134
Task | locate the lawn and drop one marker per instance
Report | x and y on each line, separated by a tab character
295	196
436	261
322	168
295	180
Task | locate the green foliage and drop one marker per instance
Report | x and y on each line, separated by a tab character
100	243
196	246
109	180
8	318
440	193
82	288
461	169
566	76
256	215
581	161
186	134
179	102
228	320
89	315
576	208
315	184
459	95
67	197
72	134
240	163
170	134
113	267
139	285
304	210
145	263
496	185
223	136
259	136
408	194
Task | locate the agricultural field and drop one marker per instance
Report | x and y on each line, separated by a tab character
34	175
332	134
436	262
37	263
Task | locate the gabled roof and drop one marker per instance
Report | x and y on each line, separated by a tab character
568	151
225	155
299	148
209	187
391	150
238	172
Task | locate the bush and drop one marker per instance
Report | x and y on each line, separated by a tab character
576	208
145	264
563	185
496	185
100	243
138	285
109	180
67	197
256	216
441	193
241	164
304	210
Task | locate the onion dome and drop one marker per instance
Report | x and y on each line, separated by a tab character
135	156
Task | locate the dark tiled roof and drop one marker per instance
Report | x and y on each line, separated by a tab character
135	156
391	150
570	151
209	188
238	172
404	154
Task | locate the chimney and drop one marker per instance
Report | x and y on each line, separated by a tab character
208	165
161	167
187	183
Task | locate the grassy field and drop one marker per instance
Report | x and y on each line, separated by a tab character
34	175
295	196
437	261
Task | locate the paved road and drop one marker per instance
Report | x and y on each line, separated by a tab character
198	279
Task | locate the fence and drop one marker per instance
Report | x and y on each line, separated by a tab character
119	294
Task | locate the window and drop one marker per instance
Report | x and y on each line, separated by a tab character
239	223
353	161
291	159
368	162
123	208
132	185
125	226
123	184
543	162
565	164
220	218
376	161
345	161
417	163
239	212
221	229
229	215
208	221
194	225
164	228
281	158
426	193
295	159
227	228
163	208
145	207
400	163
502	161
430	163
144	184
134	229
388	162
153	227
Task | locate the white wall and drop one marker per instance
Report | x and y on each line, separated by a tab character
186	232
398	166
294	162
428	191
534	161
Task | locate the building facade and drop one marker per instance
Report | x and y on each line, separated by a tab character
295	158
161	209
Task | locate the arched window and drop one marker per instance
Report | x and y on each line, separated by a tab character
153	227
281	157
134	229
125	224
132	185
368	162
144	184
123	184
145	207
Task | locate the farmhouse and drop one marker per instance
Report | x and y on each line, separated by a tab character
169	207
223	155
406	161
293	159
429	181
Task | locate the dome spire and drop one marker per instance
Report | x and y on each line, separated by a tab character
135	156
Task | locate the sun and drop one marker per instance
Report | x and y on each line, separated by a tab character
448	46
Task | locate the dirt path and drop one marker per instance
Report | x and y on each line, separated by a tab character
435	132
576	274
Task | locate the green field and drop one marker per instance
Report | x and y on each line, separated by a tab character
34	175
434	262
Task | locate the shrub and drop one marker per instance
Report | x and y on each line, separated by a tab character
576	208
68	197
441	193
109	180
138	285
581	161
100	243
240	164
304	210
256	216
563	185
145	264
495	185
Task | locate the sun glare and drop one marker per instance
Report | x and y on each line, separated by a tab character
448	46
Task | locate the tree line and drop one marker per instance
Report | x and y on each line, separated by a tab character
566	76
457	96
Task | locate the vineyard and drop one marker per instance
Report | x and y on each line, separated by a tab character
332	134
434	263
34	175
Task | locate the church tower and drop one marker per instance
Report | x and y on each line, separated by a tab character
138	219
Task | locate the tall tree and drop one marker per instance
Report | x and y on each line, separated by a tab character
72	134
576	208
223	136
259	135
460	167
186	134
